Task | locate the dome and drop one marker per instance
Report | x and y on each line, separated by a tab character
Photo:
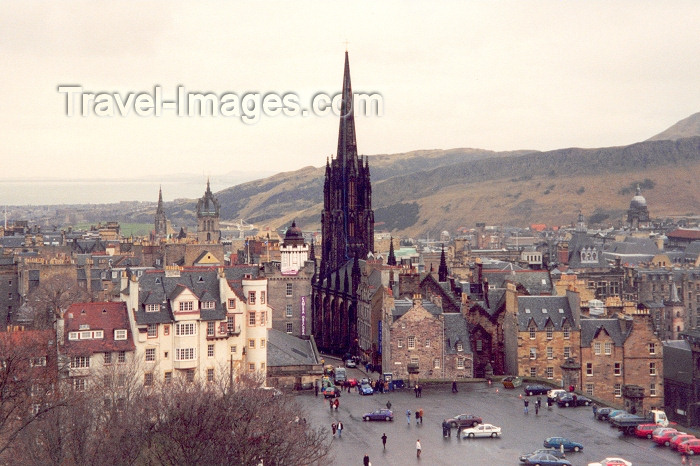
294	235
638	200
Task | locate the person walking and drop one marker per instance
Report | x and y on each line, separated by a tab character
420	411
384	440
388	404
420	391
408	417
334	426
316	388
526	403
595	410
340	429
417	416
365	461
415	390
537	409
418	448
539	402
454	386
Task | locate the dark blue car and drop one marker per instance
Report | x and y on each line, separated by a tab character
379	415
546	459
366	389
557	442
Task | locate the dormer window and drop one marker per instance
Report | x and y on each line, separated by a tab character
120	334
527	310
208	304
460	347
544	310
152	307
84	326
186	305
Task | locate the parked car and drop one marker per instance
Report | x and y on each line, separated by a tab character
611	462
690	447
331	392
554	393
481	430
379	415
350	363
680	438
512	381
602	413
365	380
535	390
551	451
546	459
663	438
557	442
645	430
465	420
366	389
568	400
340	376
616	412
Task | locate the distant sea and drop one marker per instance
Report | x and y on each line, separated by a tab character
52	192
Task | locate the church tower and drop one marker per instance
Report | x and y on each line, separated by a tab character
347	219
208	218
161	223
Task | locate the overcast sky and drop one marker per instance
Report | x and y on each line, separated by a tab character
493	75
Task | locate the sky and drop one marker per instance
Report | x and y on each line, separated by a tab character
504	75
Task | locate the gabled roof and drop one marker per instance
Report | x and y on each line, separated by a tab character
456	331
592	329
288	350
543	309
105	316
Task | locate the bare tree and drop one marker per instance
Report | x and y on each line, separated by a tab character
53	295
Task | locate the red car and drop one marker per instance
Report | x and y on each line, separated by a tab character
680	438
664	437
691	447
645	430
352	382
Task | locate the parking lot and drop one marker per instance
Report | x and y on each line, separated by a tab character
496	405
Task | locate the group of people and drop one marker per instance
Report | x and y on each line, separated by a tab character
334	404
418	390
418	414
538	405
337	428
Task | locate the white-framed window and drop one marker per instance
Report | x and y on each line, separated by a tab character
211	329
589	389
251	343
185	329
460	347
533	334
166	329
289	289
262	366
208	304
121	357
460	363
652	348
79	362
251	367
152	307
550	332
150	354
290	327
262	342
210	375
148	379
567	332
608	347
152	331
414	359
186	305
231	303
120	334
436	363
533	372
38	361
189	375
411	342
399	343
549	372
427	342
652	389
234	349
251	297
596	348
74	335
80	384
263	318
262	297
589	369
652	368
533	353
567	351
108	358
288	311
617	390
251	318
210	351
185	354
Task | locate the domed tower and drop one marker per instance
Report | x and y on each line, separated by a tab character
208	218
294	251
638	213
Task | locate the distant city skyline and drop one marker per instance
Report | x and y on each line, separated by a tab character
499	76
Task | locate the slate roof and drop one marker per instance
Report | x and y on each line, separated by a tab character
456	331
106	316
401	306
591	328
536	282
580	241
287	350
543	309
12	241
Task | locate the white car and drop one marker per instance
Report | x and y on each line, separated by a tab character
611	462
482	430
350	363
554	393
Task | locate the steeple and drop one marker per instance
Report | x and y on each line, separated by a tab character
161	228
392	258
442	270
347	144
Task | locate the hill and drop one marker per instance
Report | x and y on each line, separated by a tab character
686	128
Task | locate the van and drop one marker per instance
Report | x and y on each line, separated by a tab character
340	375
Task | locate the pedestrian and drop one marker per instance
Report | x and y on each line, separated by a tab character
330	403
316	388
549	404
384	440
418	448
340	428
334	426
575	400
408	417
388	404
454	386
526	403
420	391
365	461
421	416
595	410
415	390
539	402
537	409
417	416
337	404
445	428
